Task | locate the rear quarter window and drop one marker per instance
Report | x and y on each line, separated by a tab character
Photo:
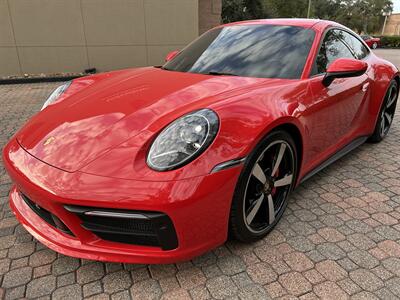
358	47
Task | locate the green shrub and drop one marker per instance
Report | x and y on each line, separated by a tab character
390	41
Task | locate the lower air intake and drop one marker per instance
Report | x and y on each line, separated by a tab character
46	215
129	227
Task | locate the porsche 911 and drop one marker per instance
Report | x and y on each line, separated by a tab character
161	164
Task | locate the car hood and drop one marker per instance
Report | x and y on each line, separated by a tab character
100	112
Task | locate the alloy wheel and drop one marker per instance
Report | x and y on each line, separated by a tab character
268	186
387	112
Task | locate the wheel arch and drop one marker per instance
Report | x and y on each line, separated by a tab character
295	133
288	125
397	78
379	93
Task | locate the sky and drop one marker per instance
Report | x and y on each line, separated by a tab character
396	6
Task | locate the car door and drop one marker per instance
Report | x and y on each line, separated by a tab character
337	109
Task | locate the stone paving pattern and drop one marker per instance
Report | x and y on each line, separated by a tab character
339	239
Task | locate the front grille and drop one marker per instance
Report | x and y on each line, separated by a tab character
46	215
130	227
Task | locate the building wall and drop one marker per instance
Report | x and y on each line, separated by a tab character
51	36
393	25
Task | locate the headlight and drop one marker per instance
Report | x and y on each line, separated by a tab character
56	93
183	140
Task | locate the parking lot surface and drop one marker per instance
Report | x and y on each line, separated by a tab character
339	237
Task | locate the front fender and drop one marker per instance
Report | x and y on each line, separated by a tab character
244	120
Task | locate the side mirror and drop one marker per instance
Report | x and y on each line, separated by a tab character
343	68
171	55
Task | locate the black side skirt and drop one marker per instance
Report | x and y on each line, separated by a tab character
342	152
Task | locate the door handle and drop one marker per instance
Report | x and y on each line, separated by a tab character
365	86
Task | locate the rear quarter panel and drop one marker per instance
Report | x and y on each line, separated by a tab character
383	73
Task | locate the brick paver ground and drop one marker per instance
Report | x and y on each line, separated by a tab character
339	238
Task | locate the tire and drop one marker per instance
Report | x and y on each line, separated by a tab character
386	113
251	216
374	45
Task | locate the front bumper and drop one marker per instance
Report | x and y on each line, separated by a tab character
197	207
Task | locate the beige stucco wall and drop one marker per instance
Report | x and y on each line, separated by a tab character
392	25
49	36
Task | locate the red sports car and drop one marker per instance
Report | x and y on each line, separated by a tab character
371	41
158	164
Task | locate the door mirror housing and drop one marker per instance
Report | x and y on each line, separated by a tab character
171	55
343	68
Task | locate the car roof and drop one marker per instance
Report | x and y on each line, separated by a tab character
306	23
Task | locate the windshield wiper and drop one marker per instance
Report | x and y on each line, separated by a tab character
162	68
221	73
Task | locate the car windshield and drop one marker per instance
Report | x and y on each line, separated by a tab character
265	51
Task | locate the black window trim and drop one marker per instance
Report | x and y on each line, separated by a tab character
350	48
360	40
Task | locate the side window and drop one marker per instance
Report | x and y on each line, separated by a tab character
359	49
331	49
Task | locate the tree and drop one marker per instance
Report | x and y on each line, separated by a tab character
232	11
328	9
238	10
254	9
286	9
366	15
360	15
